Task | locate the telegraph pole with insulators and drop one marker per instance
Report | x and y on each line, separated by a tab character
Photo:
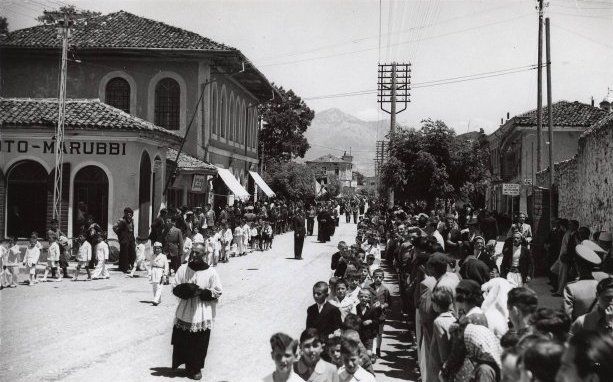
393	88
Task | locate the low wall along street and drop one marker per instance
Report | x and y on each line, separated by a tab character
585	182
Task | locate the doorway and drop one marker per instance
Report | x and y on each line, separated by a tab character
91	197
26	199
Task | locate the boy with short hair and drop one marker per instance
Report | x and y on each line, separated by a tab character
322	315
141	257
351	371
384	298
310	366
284	353
341	301
369	314
31	258
53	257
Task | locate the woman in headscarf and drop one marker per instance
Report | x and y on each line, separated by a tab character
494	305
198	287
483	350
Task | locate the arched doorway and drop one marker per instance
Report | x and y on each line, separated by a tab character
157	179
144	195
91	197
26	199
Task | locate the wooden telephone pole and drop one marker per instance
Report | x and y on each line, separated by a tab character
64	24
549	122
394	85
539	96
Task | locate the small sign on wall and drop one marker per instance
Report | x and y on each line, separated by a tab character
511	189
199	183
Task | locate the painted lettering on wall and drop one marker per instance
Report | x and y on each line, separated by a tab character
69	148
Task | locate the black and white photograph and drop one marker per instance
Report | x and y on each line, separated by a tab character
306	190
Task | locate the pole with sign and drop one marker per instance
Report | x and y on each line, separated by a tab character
512	190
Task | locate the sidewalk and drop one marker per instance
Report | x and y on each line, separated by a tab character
398	360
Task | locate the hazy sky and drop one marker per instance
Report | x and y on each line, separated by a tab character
330	48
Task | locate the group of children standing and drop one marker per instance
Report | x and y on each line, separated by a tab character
344	327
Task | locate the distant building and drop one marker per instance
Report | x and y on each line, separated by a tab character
329	165
513	149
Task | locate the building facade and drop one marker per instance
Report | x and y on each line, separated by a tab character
513	149
329	166
177	80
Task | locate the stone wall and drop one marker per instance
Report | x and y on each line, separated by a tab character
585	183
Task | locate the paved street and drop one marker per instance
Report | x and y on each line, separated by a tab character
107	329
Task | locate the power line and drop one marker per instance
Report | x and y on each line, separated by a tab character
444	81
397	44
584	36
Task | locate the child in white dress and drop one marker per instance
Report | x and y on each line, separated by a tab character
84	256
10	264
239	240
102	255
3	255
141	258
216	245
159	272
53	257
31	258
226	243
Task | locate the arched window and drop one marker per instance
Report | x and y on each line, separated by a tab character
223	114
231	119
117	94
168	104
214	113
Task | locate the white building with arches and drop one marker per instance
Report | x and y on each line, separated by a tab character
177	80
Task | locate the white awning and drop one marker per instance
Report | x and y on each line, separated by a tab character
260	182
232	183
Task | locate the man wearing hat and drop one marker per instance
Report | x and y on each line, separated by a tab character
579	294
124	229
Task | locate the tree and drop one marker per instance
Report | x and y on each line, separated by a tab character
49	17
4	26
286	119
291	180
432	163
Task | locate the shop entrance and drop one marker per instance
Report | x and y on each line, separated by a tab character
26	199
91	197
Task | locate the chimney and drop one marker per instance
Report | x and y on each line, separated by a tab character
607	102
592	101
502	121
508	115
347	158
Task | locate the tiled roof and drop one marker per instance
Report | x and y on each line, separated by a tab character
564	114
188	162
115	30
604	123
328	158
80	114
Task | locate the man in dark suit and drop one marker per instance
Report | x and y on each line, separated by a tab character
299	232
516	260
322	315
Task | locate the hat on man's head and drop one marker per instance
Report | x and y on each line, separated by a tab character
157	244
128	210
605	236
593	246
587	254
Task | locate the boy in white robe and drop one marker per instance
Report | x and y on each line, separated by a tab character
102	254
84	256
53	257
31	258
141	258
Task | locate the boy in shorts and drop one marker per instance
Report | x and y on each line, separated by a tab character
31	258
384	298
83	257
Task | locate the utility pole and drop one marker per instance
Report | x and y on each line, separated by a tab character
539	96
64	27
550	121
393	87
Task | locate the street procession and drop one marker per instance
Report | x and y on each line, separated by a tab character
321	191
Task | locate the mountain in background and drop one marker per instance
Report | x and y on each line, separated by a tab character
332	132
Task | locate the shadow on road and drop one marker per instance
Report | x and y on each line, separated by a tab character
168	372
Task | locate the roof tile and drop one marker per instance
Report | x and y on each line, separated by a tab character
115	30
80	114
565	114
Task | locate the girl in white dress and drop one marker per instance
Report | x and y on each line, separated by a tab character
31	258
53	257
226	243
102	254
84	256
246	236
159	272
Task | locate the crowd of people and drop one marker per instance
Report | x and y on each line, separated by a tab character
465	294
